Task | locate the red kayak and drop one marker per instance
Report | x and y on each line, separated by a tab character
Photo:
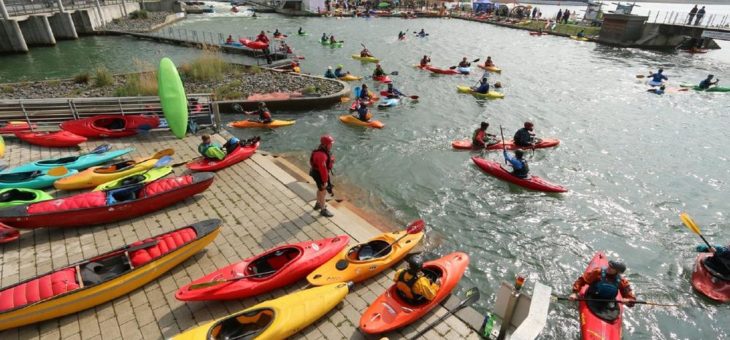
532	183
12	127
383	79
8	234
58	139
708	284
592	327
98	207
239	154
510	145
113	126
441	70
391	311
256	45
278	267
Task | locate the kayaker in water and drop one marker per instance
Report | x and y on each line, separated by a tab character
705	84
324	38
658	77
365	53
378	71
263	112
401	35
229	40
519	164
329	73
361	111
285	48
480	139
262	37
719	262
581	34
660	90
422	33
393	92
488	62
425	60
464	63
277	33
483	87
412	284
525	137
321	162
339	73
364	93
300	32
604	283
332	39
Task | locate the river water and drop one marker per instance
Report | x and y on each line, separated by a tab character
632	160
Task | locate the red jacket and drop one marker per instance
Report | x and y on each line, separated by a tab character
321	162
262	38
595	275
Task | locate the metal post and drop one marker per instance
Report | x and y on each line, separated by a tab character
101	15
709	22
648	17
3	10
60	5
657	16
121	109
216	115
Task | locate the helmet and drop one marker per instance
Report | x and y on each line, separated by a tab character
618	265
329	67
661	70
528	125
415	262
340	66
519	153
710	76
326	140
485	125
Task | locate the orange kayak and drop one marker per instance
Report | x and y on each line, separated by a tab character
391	311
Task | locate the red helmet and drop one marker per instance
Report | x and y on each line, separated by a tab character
326	140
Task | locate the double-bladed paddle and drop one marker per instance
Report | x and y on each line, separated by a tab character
472	295
473	61
690	223
217	282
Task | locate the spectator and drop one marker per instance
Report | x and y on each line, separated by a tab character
692	15
566	16
560	15
700	14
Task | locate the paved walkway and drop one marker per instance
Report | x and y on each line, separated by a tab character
261	206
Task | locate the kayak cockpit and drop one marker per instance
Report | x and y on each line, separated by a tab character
17	195
270	263
432	273
101	270
58	161
110	123
15	177
367	251
243	326
115	167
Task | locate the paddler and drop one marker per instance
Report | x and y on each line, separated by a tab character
262	37
339	73
422	33
321	162
401	35
364	93
324	38
229	40
362	112
378	73
365	53
483	87
581	34
719	262
488	62
392	92
295	67
329	73
525	137
300	32
464	63
277	33
705	84
332	39
519	164
604	283
263	112
413	284
212	150
481	139
425	60
658	77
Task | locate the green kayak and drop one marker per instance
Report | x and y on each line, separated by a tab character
711	89
38	179
137	177
172	98
17	196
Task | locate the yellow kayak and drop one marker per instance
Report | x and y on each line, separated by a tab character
349	119
494	69
273	319
350	77
255	124
2	146
490	94
98	175
575	37
137	177
358	261
365	59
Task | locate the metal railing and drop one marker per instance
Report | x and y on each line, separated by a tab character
683	18
47	113
26	7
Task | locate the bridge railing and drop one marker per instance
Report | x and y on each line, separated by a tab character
683	18
27	7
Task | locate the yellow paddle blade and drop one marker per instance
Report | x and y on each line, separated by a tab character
58	171
163	153
344	99
640	76
690	223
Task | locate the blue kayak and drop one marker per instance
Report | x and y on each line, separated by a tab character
388	102
78	162
464	70
38	179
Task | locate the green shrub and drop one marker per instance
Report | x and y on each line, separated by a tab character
139	14
144	84
103	77
229	91
7	89
207	67
310	90
82	78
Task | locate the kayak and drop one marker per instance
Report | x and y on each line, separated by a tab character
708	284
538	33
488	95
391	310
349	119
16	126
490	68
465	144
91	282
173	100
303	34
11	197
8	234
94	176
77	162
464	70
711	89
38	179
358	261
350	77
57	139
277	267
98	207
273	319
654	83
532	183
256	124
137	177
365	59
113	126
700	50
336	45
383	79
591	325
2	146
575	37
388	102
256	45
441	70
240	154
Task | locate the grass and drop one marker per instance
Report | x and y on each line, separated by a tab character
570	29
229	91
310	90
139	14
209	66
141	84
82	78
103	77
7	89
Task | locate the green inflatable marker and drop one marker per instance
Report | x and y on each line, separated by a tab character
172	97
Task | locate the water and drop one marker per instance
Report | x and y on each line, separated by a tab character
632	160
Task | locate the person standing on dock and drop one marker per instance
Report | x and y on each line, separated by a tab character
566	16
321	162
692	14
560	16
700	14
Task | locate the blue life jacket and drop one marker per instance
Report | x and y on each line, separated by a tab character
658	77
604	289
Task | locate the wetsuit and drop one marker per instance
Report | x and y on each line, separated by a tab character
262	38
378	72
264	116
519	166
483	88
479	138
362	113
330	74
719	262
705	84
212	151
658	77
339	73
603	286
394	93
524	137
464	64
425	61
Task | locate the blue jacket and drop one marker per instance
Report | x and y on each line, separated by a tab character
329	74
339	73
658	77
483	88
516	163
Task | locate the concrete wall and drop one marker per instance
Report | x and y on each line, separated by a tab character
11	38
163	6
37	31
620	29
62	26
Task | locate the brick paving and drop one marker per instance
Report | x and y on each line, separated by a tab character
260	205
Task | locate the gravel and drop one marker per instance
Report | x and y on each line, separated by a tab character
138	25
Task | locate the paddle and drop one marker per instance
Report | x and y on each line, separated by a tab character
472	295
394	73
473	61
415	227
97	150
164	161
159	154
217	282
690	223
638	302
57	171
504	145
